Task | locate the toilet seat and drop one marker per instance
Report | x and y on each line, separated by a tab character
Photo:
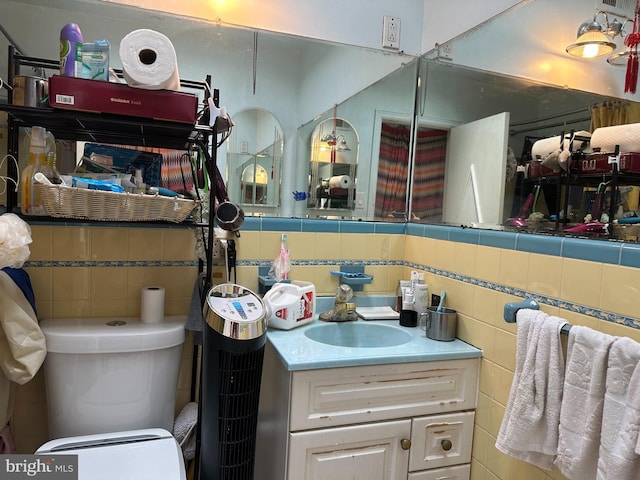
148	454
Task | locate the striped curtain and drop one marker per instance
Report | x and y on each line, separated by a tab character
428	177
393	166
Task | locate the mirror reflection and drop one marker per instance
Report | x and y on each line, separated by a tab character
384	104
254	159
406	167
482	184
333	166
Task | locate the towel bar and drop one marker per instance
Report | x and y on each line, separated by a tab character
511	309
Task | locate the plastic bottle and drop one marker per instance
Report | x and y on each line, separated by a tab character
30	199
51	171
141	187
398	307
70	48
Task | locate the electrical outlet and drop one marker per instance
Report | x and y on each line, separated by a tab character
445	51
435	299
391	32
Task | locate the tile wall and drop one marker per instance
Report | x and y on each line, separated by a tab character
100	270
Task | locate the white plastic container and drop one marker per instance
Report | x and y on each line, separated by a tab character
290	305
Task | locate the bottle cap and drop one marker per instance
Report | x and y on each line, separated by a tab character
38	143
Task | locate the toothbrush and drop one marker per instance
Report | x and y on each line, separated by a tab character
284	253
442	295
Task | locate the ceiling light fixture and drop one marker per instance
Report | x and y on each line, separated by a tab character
591	41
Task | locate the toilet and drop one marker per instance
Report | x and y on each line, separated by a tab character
111	385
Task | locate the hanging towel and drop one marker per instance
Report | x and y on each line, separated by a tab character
582	402
621	414
529	429
22	343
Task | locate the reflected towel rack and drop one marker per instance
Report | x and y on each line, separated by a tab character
511	309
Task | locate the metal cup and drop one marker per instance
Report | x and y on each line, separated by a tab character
441	325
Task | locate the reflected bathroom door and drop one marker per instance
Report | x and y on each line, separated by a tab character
475	172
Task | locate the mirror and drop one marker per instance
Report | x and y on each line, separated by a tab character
504	65
387	101
254	160
299	80
333	166
454	96
292	77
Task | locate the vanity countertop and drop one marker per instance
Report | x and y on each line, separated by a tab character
298	352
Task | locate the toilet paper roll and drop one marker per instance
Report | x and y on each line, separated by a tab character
152	305
340	181
627	136
149	60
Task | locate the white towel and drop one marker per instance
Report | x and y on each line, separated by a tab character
620	417
529	429
582	402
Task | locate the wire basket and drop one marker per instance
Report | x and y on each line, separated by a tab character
86	204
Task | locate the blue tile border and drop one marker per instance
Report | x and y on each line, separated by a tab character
630	255
539	244
601	251
356	227
543	299
109	263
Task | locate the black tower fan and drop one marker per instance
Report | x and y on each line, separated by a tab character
233	350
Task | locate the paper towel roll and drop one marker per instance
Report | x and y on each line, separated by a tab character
340	181
149	60
152	305
545	146
627	136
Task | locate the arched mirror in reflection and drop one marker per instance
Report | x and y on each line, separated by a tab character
333	165
254	160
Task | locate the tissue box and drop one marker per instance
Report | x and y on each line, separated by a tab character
80	94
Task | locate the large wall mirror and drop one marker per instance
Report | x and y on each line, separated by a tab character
296	79
497	183
475	119
406	111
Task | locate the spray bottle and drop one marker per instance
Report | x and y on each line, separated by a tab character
30	199
70	49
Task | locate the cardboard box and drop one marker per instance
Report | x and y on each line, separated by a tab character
85	95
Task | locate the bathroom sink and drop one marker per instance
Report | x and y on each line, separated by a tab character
358	334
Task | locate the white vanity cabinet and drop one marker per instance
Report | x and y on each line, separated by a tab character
374	422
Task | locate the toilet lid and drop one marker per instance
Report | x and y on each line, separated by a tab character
149	454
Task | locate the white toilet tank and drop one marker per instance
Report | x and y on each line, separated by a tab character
111	374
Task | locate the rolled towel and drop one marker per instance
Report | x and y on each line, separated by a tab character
184	430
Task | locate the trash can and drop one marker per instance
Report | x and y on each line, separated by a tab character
234	337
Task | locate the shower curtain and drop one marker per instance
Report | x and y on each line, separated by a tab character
428	177
614	112
393	165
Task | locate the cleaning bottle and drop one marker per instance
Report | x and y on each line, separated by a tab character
52	172
30	198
